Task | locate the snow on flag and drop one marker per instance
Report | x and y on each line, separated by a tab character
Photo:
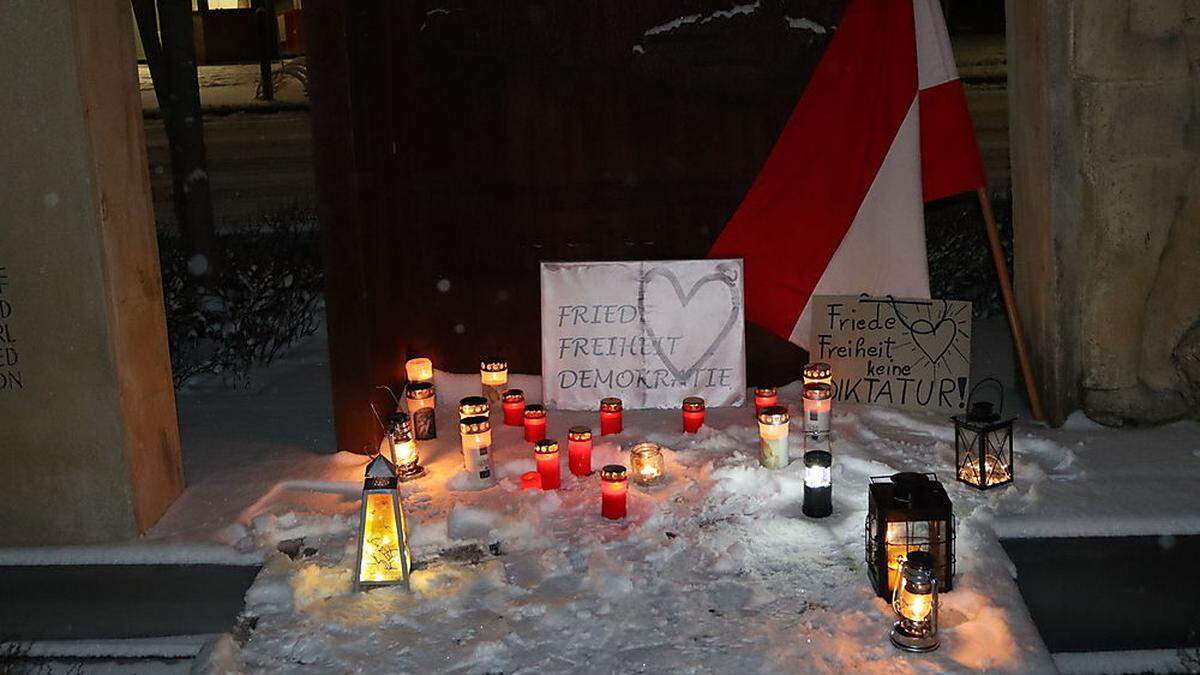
838	207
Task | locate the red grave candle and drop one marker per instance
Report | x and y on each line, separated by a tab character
531	480
535	422
765	397
546	454
693	414
514	408
614	488
612	416
579	450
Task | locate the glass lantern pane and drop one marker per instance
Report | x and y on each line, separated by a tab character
382	560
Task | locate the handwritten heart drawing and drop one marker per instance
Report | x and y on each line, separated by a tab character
722	276
934	340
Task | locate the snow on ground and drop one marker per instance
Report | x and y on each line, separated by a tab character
714	570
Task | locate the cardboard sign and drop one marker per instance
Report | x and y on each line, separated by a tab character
649	332
898	352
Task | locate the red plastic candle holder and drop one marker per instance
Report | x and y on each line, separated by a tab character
546	453
535	422
579	450
693	414
612	416
765	397
614	491
514	408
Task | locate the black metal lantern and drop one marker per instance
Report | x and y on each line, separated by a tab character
908	512
983	441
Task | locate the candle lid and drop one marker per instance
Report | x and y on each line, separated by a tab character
919	561
818	391
473	405
474	425
645	448
579	434
493	365
773	414
693	404
545	446
419	390
612	472
822	458
908	484
512	395
766	391
817	370
610	404
535	410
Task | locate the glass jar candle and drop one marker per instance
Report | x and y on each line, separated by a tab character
545	452
531	480
476	435
493	376
646	463
614	489
514	408
773	437
818	483
765	397
535	422
421	403
473	406
579	450
818	373
419	370
612	416
693	414
818	409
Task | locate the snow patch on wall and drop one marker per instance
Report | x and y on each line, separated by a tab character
673	24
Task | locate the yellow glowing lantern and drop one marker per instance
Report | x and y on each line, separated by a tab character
915	602
419	370
383	555
646	461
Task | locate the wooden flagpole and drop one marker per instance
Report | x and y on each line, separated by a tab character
1010	304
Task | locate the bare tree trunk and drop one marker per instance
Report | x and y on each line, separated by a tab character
185	133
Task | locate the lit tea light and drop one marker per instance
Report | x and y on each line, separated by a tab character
773	425
579	450
476	433
473	406
531	480
646	463
535	422
915	602
614	489
421	403
612	416
818	373
493	376
765	397
419	370
693	414
546	453
383	556
818	409
514	408
995	472
818	484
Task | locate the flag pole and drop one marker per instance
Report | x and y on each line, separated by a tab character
1010	305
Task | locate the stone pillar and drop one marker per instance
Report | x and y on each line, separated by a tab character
1104	113
89	446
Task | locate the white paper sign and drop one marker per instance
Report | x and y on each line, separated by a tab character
650	332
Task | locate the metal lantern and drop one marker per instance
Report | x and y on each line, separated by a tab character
915	602
908	512
983	441
383	556
400	447
818	484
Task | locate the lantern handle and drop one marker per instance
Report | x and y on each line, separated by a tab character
999	388
395	399
382	426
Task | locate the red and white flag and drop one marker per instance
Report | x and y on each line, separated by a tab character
838	207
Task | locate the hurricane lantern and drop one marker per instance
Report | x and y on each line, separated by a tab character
983	441
908	512
915	602
383	556
400	448
773	425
